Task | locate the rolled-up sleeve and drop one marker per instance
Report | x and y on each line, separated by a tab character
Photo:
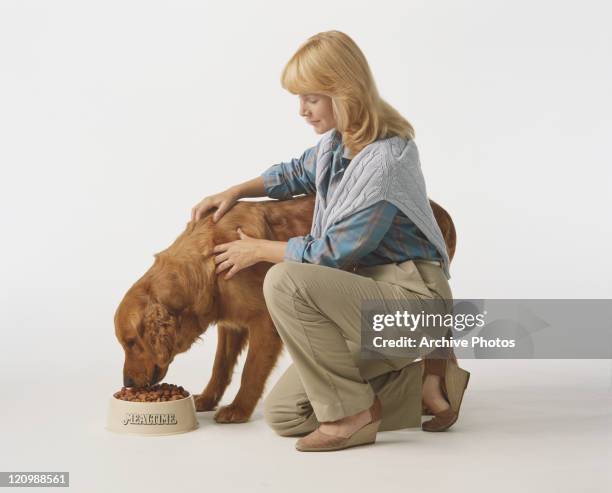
296	247
345	242
295	177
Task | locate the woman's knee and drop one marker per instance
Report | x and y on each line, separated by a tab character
271	414
274	278
278	418
273	418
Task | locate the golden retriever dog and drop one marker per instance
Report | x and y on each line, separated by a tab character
180	296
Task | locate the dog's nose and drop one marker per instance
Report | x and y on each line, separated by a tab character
155	377
128	382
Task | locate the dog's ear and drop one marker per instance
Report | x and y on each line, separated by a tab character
159	329
170	285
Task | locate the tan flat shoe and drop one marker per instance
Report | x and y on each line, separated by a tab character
453	384
317	441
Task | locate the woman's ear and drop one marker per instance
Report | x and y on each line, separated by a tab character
160	328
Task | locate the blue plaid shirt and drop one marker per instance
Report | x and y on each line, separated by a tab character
379	234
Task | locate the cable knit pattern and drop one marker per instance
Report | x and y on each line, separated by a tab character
387	169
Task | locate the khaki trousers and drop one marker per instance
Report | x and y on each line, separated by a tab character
317	312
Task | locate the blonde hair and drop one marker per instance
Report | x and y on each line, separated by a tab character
332	64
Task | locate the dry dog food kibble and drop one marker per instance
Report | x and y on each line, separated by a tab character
160	392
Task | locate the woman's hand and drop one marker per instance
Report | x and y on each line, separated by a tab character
222	201
237	254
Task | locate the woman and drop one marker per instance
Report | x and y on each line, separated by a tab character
366	242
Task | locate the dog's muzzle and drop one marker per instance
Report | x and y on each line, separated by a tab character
155	376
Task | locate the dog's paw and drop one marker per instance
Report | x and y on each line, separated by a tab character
204	402
231	414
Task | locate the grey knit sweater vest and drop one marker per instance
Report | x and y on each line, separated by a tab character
387	169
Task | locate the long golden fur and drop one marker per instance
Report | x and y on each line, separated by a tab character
180	296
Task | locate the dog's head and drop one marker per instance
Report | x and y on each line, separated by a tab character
160	316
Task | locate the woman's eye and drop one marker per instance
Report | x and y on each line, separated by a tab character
313	102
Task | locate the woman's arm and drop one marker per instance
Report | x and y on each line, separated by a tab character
342	245
250	188
345	242
224	201
295	177
279	181
282	180
271	251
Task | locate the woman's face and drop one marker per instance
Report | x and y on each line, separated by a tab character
317	111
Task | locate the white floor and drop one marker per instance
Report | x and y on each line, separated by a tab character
542	426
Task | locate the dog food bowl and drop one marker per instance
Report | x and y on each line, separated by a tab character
152	418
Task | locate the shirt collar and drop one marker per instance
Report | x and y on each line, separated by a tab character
340	153
347	153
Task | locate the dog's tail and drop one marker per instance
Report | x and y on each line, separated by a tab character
445	222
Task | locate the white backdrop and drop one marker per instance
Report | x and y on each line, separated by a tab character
116	117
